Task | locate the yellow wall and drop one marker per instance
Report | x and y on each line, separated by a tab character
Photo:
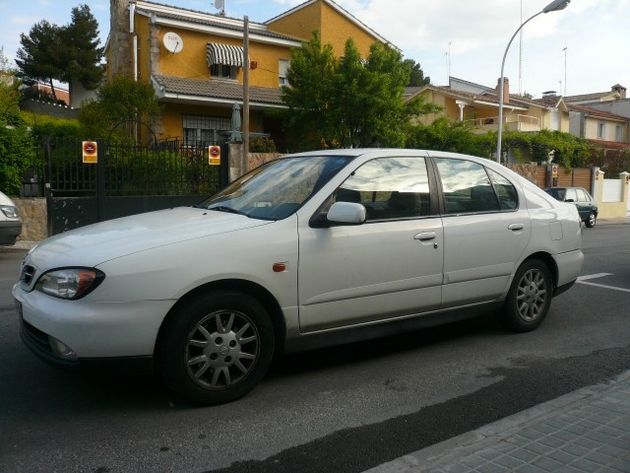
301	23
336	29
591	124
172	118
611	209
191	62
144	48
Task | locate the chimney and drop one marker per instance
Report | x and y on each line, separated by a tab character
506	89
620	89
119	38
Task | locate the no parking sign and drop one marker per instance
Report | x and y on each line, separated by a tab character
214	155
90	152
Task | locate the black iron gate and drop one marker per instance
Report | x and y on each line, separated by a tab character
125	180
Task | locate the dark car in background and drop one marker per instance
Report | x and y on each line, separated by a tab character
582	199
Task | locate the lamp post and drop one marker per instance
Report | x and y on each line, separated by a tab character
556	5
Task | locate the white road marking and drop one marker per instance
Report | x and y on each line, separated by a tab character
585	278
593	276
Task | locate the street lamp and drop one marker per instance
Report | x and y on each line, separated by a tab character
556	5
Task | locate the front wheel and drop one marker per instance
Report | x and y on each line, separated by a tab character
217	347
529	298
591	220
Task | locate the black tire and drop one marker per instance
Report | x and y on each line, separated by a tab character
529	298
591	220
217	347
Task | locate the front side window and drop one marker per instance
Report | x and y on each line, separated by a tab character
570	195
583	196
466	187
277	189
389	188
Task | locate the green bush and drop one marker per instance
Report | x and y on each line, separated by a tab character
17	155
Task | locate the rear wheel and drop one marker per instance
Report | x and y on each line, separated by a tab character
591	220
529	298
217	347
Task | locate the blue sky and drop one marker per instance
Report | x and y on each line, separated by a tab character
595	32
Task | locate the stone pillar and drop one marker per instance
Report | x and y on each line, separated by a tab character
119	38
598	185
625	177
235	161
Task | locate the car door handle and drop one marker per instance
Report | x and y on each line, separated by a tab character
425	236
515	227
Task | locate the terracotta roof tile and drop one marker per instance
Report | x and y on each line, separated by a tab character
596	112
218	89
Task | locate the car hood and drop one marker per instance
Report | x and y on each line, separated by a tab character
100	242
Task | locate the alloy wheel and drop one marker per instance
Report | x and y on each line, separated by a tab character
222	349
531	295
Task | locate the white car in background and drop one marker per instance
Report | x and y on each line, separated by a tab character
310	250
10	223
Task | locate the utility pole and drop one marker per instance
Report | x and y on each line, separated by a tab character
245	94
520	57
565	71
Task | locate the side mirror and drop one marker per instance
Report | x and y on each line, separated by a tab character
348	213
569	200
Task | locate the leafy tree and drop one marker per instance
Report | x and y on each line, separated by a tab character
16	143
417	78
83	51
42	54
310	96
122	107
349	102
65	53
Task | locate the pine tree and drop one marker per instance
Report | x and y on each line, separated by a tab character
83	49
42	56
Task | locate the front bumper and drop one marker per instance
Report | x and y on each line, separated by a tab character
91	329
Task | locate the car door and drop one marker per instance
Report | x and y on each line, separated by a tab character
584	203
389	266
486	230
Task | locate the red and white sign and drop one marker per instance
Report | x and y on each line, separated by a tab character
214	155
90	152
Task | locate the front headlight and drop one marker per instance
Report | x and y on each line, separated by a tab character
70	283
9	211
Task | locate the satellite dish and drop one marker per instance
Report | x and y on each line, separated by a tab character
172	42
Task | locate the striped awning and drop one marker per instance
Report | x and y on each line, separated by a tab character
225	54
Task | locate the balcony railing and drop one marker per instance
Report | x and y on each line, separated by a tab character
512	122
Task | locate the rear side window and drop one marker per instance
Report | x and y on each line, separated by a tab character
508	198
466	187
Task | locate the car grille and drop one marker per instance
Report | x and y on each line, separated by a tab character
37	338
26	276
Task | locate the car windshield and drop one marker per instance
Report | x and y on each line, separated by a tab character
277	189
557	193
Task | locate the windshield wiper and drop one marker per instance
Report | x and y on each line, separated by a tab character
224	208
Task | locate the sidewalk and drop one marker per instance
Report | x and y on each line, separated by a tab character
586	431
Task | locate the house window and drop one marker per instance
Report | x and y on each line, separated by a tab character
618	133
224	60
601	130
223	72
200	131
283	68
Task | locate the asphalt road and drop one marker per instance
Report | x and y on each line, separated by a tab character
344	409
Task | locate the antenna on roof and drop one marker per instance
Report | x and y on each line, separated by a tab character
220	5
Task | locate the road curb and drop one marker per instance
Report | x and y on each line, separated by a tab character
426	459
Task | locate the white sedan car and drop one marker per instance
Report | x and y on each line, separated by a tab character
309	250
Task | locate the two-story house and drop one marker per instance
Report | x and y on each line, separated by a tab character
478	105
194	60
602	117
